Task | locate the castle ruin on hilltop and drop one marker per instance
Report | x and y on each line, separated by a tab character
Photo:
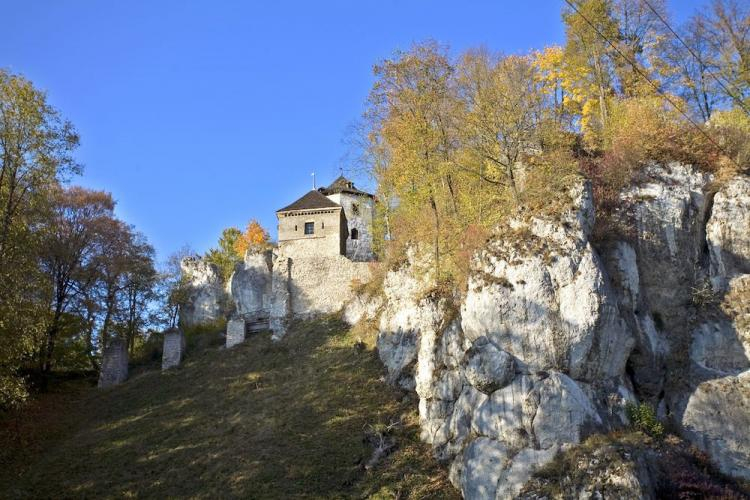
324	246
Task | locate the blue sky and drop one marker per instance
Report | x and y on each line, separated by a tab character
198	115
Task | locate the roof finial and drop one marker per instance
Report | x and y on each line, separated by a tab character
341	169
313	176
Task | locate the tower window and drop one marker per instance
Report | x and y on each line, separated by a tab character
355	208
322	225
309	227
355	234
295	227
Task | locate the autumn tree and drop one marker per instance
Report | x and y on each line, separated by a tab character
36	146
255	238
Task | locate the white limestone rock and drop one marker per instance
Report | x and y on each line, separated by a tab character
728	231
546	300
717	419
565	414
404	317
522	466
205	292
250	284
483	461
507	414
488	368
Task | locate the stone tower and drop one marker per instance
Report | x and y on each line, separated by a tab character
359	210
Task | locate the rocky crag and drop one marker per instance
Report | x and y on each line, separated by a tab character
554	337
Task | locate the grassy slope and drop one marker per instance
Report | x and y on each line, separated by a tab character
261	420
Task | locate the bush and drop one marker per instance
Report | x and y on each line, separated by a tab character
643	418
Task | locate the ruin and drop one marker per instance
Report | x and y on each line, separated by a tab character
114	369
324	246
174	348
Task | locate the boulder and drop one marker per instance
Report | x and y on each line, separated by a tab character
717	420
487	367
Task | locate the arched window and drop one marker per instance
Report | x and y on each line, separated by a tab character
355	234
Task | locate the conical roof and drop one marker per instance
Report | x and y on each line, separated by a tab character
342	185
312	200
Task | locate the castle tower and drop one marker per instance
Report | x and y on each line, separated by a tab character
359	210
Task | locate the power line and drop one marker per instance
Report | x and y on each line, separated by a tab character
656	87
692	52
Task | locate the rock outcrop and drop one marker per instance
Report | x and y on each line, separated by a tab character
205	290
250	285
553	338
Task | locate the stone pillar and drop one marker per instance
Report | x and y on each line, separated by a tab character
114	368
281	306
174	348
235	331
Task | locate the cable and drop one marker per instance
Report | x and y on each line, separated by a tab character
656	87
678	37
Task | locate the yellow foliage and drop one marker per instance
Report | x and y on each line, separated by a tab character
255	237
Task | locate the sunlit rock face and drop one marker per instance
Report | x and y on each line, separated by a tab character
250	284
205	292
532	360
554	337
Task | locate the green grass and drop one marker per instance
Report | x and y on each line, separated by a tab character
261	420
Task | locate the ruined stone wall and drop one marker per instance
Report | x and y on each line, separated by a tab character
114	369
173	350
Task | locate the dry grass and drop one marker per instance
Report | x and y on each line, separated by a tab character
262	420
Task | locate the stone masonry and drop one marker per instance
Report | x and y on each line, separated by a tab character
235	332
114	368
174	349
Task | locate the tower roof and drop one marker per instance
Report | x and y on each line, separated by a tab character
343	185
312	200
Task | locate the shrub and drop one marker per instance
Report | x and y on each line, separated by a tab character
643	418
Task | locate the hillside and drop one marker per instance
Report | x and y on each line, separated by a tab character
289	419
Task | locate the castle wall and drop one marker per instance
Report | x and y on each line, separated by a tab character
329	236
359	211
305	287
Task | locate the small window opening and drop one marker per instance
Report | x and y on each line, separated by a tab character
309	227
355	208
355	234
295	227
322	225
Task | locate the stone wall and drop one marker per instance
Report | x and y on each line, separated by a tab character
329	237
359	211
114	369
304	287
173	350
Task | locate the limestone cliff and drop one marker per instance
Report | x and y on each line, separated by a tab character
554	337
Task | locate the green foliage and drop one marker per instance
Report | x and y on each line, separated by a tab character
225	257
643	418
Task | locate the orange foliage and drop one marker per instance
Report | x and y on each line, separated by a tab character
255	237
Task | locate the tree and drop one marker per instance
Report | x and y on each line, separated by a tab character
36	147
412	111
73	245
255	238
225	257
